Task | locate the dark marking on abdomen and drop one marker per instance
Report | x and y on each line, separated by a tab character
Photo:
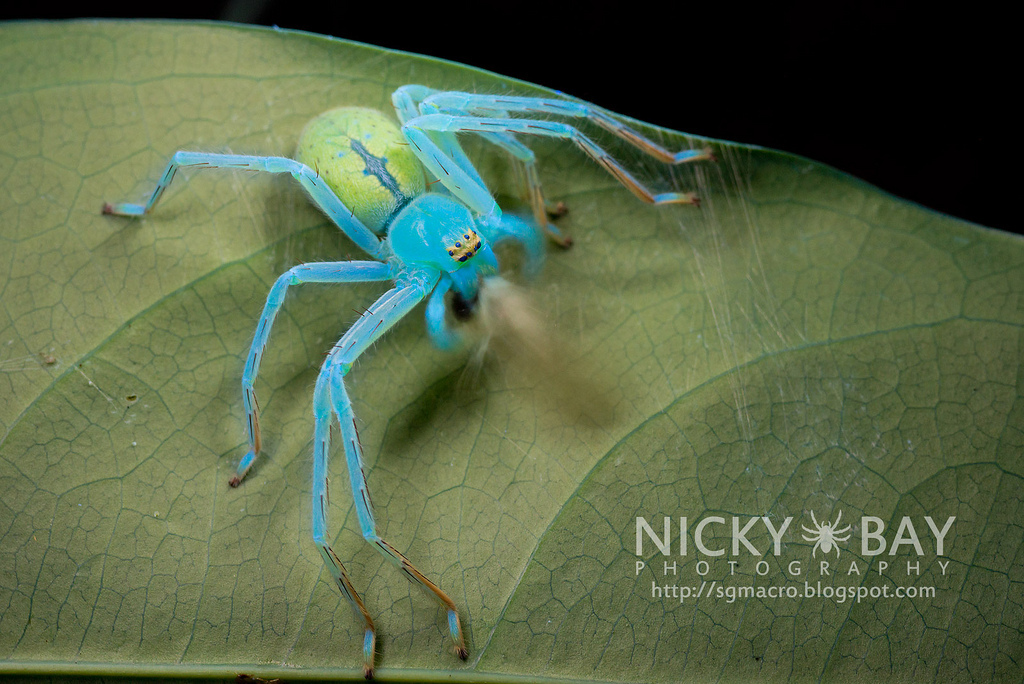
377	167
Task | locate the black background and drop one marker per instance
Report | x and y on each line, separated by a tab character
913	99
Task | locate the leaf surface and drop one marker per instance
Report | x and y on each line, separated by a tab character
802	342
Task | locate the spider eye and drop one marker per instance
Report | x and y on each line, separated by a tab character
464	249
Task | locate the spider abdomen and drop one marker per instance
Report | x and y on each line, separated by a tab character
364	159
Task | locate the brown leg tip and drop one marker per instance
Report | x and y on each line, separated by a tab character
235	481
367	672
462	652
561	239
558	209
108	208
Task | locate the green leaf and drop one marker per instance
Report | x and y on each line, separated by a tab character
802	342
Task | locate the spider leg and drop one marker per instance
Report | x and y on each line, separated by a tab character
511	228
318	191
441	334
408	103
321	505
502	105
383	314
534	192
449	146
329	272
474	194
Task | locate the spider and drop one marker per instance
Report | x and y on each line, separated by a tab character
367	175
825	536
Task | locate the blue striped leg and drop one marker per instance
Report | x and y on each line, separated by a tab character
531	182
441	334
508	227
374	322
408	102
407	99
318	191
377	319
330	272
463	104
321	506
476	196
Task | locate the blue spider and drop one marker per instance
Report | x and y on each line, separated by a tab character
366	175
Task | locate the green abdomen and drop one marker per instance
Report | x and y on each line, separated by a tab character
365	160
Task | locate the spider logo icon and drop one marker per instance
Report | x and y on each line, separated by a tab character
825	536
